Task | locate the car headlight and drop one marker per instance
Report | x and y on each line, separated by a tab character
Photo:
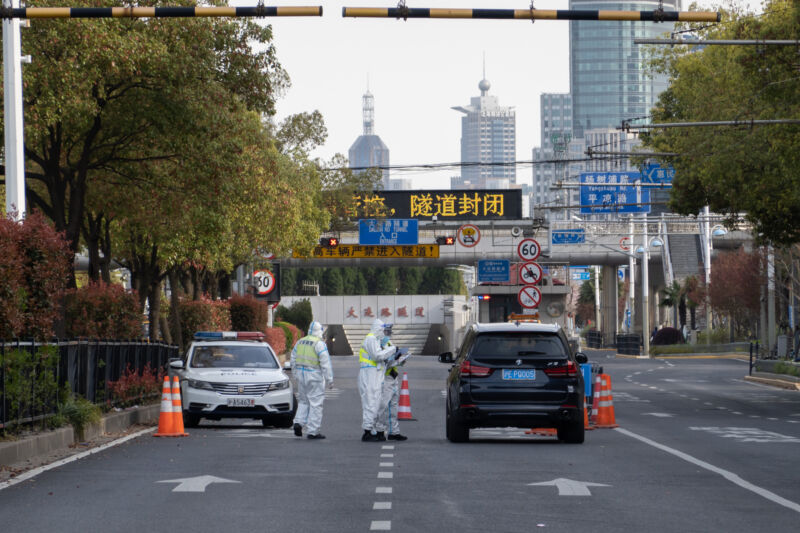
280	385
195	384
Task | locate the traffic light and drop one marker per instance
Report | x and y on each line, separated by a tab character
446	241
329	242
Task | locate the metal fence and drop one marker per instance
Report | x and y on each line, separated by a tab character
84	367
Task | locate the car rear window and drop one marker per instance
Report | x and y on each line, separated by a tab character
524	345
233	357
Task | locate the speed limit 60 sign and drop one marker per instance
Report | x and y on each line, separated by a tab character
528	250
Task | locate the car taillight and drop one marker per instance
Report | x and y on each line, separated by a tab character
570	370
475	371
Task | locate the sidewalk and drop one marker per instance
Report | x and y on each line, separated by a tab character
35	449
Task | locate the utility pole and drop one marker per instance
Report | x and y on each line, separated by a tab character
12	105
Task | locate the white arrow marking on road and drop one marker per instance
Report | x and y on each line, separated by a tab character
196	484
570	487
659	415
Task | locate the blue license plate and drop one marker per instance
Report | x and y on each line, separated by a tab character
519	374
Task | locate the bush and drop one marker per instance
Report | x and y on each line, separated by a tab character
79	412
291	333
102	311
248	314
35	264
276	338
204	315
666	336
133	388
30	383
299	314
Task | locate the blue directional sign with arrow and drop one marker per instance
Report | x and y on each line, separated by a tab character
568	236
655	173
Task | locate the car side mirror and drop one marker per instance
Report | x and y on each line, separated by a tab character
176	363
581	358
446	357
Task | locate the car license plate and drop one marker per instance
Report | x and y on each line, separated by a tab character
519	374
241	402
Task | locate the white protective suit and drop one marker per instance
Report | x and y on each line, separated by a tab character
370	378
311	367
390	398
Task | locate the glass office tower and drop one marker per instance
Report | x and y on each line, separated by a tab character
608	81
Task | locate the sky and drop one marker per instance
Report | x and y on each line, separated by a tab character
417	70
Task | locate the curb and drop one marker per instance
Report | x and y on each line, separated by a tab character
60	439
774	380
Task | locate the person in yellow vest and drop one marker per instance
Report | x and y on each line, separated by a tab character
390	397
311	367
372	359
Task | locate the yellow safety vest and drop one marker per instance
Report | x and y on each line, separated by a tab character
305	353
363	356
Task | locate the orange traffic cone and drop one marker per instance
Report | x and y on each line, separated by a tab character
165	419
605	408
404	403
586	425
598	385
177	409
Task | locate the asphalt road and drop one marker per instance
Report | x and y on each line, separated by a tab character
698	449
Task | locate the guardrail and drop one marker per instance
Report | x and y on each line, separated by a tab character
84	367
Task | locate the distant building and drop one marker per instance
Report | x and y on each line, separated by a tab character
555	124
488	135
608	82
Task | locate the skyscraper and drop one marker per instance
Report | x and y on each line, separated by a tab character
608	81
488	135
369	150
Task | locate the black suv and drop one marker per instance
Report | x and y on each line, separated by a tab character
515	374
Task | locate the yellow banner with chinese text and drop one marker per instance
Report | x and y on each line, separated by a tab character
358	251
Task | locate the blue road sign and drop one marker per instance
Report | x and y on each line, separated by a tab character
390	232
493	270
613	192
655	173
581	276
568	236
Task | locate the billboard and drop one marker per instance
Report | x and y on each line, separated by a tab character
444	204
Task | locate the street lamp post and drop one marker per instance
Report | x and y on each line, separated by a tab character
644	249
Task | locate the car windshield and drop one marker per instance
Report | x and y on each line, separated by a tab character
233	356
533	345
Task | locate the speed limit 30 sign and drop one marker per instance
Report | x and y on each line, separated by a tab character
528	250
529	296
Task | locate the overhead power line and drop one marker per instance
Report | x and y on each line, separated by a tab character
690	42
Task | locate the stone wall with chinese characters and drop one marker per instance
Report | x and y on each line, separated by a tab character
415	309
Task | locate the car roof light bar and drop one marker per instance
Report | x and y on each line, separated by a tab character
229	335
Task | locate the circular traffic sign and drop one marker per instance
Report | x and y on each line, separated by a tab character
264	281
529	296
468	235
528	249
624	243
530	273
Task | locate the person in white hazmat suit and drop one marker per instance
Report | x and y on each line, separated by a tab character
390	398
311	367
372	359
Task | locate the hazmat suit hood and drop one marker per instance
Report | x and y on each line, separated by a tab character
315	329
377	328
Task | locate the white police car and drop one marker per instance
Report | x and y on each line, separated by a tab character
229	374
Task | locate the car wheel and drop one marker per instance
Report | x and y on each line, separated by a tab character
190	421
572	433
455	431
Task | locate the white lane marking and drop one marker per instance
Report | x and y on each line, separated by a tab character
196	484
735	412
36	471
383	490
379	506
387	455
386	465
385	475
730	476
387	447
746	434
570	487
659	415
381	525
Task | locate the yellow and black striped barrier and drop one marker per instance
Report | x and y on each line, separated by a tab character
158	12
402	12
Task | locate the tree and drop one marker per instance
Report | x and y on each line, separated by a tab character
332	282
386	282
735	277
672	297
750	171
410	279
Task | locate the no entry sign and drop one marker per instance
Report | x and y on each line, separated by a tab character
529	297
